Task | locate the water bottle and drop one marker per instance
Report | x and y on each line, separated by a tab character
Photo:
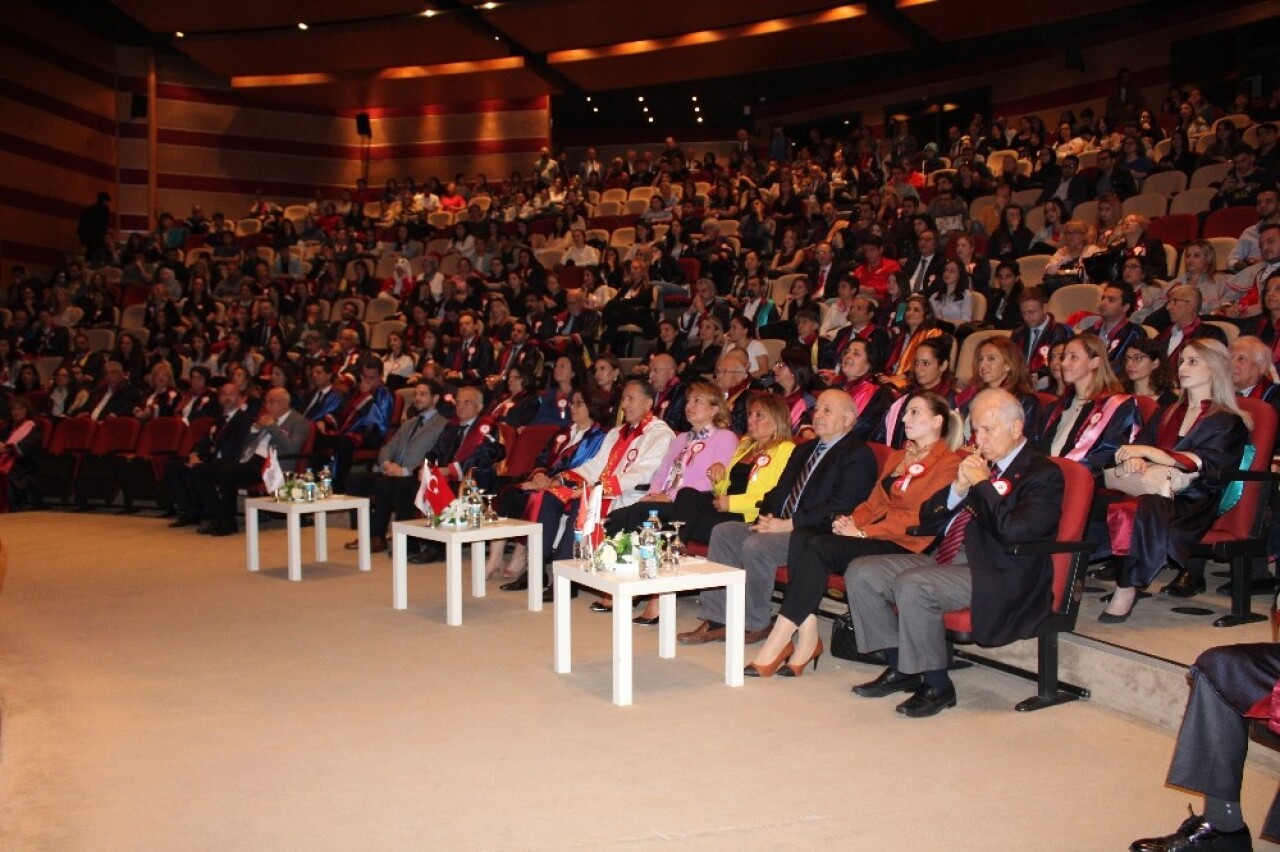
326	483
579	550
309	486
648	551
475	506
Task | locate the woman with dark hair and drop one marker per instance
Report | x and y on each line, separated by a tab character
1226	138
237	353
1050	237
790	255
1012	239
860	363
742	335
606	373
64	394
930	371
1204	433
398	363
700	360
923	465
917	325
678	241
611	269
973	264
1147	372
199	399
670	342
567	375
1181	157
362	282
1095	417
793	378
27	380
1133	158
129	352
1044	168
576	443
519	403
20	443
949	299
998	363
635	303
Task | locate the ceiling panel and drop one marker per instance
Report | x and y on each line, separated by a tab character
397	93
953	20
257	14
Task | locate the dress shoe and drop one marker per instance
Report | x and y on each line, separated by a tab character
645	622
928	701
519	584
221	531
1105	617
889	682
549	595
795	670
1256	586
206	527
184	521
1185	585
1196	834
377	544
769	669
751	637
703	634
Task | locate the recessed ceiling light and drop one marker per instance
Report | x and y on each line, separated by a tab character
640	99
595	109
651	119
697	109
489	6
301	25
588	99
695	98
179	34
497	38
699	119
429	13
646	109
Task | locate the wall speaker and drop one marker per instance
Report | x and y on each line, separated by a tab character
363	128
1074	58
138	106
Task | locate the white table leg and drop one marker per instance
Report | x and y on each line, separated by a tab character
667	625
399	571
453	584
621	649
294	523
251	536
535	569
320	519
563	631
477	569
362	522
734	627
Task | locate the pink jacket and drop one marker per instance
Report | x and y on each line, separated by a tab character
719	446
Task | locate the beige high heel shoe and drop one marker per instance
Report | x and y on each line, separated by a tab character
519	561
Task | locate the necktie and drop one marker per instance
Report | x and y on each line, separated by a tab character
822	280
404	448
1031	344
953	541
789	507
316	400
918	284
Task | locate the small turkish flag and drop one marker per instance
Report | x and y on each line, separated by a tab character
435	492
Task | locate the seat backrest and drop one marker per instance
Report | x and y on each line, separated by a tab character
116	435
1243	520
1077	496
1067	300
196	429
161	436
1032	268
528	443
1174	229
1165	183
963	367
73	435
1230	221
1150	204
1210	174
882	453
1195	200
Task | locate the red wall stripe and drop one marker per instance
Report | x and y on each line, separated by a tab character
36	203
495	105
47	52
57	107
56	157
461	147
134	222
1079	92
136	177
15	252
238	186
129	130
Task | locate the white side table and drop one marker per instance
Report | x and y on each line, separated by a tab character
453	538
696	574
293	513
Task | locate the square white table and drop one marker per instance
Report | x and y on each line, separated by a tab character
293	512
453	538
694	574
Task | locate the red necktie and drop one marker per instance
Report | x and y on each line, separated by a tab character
953	541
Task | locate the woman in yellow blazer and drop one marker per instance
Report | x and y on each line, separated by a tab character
926	464
737	488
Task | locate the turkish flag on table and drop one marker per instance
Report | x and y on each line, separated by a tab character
435	492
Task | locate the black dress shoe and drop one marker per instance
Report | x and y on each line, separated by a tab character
519	584
206	528
889	682
1256	586
184	521
430	551
1185	585
549	595
647	622
928	701
1196	834
220	530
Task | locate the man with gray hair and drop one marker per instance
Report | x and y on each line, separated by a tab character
1003	494
1183	304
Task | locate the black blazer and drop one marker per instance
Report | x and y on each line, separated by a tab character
932	275
225	438
842	480
1012	595
1080	189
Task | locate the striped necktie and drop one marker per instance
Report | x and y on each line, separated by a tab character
953	540
789	507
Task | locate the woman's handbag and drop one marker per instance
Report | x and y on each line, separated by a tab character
1162	479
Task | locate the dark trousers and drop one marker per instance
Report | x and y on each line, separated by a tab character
549	515
631	518
823	556
700	516
1214	737
392	496
341	449
216	484
180	485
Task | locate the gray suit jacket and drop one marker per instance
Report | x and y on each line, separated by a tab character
408	447
287	437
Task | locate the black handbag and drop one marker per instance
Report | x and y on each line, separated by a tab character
844	643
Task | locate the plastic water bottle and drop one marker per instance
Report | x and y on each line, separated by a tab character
326	483
579	551
648	551
309	486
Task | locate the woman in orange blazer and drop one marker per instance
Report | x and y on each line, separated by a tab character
926	464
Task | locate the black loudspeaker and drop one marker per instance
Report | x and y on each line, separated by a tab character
363	128
1074	59
138	106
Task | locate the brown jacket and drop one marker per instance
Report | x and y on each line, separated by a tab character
889	514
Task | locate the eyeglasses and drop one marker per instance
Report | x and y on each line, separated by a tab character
729	372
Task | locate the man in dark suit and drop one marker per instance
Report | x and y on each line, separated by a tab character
89	362
325	400
114	397
52	339
1183	304
825	477
395	482
1116	301
1068	187
1227	684
669	399
574	330
1038	334
1004	494
519	351
278	428
924	268
470	357
822	272
1112	179
470	442
223	442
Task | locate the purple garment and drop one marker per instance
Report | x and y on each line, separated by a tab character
718	446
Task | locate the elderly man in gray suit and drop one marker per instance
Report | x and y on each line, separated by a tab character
395	482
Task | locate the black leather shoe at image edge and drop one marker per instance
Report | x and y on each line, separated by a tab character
519	584
889	682
1185	585
928	701
1196	835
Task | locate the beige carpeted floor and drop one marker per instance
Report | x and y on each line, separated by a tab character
157	696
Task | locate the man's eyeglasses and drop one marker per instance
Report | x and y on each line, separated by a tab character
729	372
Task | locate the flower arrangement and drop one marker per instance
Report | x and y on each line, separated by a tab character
454	515
614	551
